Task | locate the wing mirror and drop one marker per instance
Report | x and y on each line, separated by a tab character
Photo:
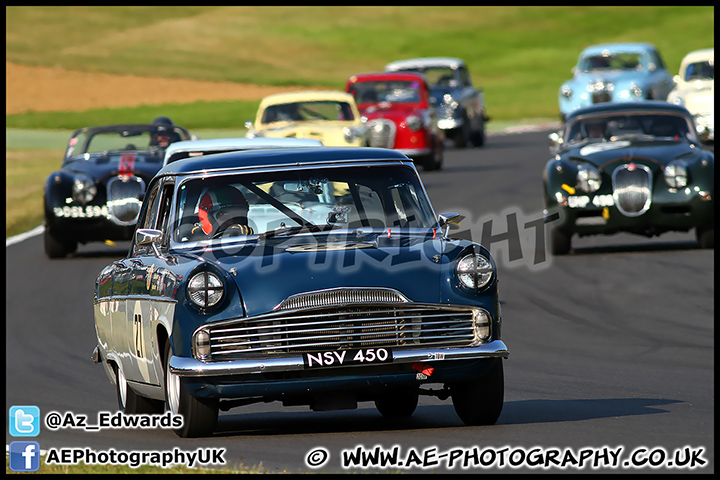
149	237
449	221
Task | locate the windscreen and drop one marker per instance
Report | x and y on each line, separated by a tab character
310	200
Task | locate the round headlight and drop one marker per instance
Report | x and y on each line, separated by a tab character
414	122
588	178
635	90
83	189
566	92
205	289
675	174
350	134
474	271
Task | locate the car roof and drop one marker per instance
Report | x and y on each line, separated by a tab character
239	143
618	47
425	62
610	107
699	55
371	76
286	97
282	157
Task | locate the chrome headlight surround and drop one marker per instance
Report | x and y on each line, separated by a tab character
474	271
205	289
566	92
414	123
83	188
675	174
588	178
635	90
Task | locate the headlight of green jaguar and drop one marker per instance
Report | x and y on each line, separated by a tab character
675	174
474	271
588	178
205	289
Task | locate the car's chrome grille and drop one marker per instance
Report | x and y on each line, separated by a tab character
341	296
342	327
124	194
382	133
632	188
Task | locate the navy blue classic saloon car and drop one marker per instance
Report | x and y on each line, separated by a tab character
627	167
97	193
309	276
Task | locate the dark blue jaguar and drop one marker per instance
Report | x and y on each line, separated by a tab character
97	193
316	276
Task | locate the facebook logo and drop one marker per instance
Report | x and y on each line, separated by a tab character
24	421
24	456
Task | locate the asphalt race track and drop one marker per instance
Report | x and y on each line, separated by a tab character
611	361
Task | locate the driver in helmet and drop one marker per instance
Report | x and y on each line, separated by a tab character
165	133
222	211
595	129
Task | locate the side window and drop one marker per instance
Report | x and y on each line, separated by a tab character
164	211
658	60
152	198
465	77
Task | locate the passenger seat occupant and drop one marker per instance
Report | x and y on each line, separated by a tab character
222	209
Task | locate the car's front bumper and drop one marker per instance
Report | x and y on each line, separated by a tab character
288	377
449	123
190	367
696	210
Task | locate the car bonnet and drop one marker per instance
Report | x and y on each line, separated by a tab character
267	273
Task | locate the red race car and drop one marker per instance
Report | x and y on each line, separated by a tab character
400	115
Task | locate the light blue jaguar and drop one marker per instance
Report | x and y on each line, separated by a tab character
615	72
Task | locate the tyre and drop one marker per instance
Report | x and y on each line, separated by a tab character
480	401
560	242
131	402
434	161
478	136
705	236
461	135
55	248
199	415
397	403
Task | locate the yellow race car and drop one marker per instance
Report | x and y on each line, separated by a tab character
331	117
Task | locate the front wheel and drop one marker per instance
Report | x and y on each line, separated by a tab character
56	248
461	135
480	401
199	415
478	136
705	236
434	161
131	402
560	242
